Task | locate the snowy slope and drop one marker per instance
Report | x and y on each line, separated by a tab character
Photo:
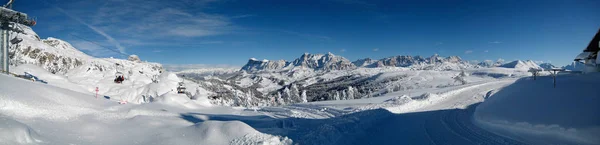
541	114
52	115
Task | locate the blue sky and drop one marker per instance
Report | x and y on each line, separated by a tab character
231	31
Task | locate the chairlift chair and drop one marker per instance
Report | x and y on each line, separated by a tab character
119	78
181	88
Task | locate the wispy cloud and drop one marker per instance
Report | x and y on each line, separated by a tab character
95	29
495	42
468	51
91	48
343	50
134	23
439	43
486	51
375	49
312	36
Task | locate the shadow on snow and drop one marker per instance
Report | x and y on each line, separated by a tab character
375	127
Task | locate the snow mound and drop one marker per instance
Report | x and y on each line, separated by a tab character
14	132
219	132
399	100
534	112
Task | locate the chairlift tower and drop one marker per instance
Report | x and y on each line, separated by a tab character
9	19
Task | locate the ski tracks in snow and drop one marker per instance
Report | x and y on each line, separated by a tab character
442	118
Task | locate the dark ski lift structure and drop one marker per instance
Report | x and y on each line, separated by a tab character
181	86
9	20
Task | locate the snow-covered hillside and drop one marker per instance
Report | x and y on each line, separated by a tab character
35	113
521	65
53	54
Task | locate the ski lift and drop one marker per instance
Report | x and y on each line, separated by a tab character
119	78
181	88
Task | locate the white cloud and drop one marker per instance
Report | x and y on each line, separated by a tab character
495	42
439	43
343	50
468	51
313	36
375	49
133	23
91	48
486	51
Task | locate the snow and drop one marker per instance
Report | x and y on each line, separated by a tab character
534	112
53	115
425	115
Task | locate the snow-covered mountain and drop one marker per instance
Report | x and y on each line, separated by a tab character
326	62
490	63
434	62
317	62
363	62
55	55
547	66
264	65
521	65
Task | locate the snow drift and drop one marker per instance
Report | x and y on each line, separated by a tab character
534	112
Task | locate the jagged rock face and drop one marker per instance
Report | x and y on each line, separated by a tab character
256	65
52	54
325	62
363	62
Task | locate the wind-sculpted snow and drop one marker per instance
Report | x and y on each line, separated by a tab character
536	113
